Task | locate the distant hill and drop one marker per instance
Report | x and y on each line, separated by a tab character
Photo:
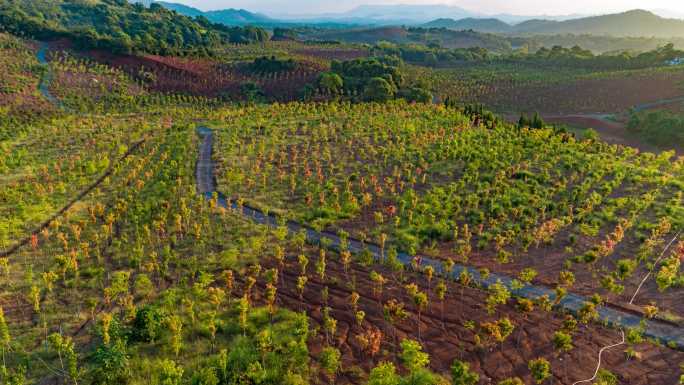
181	8
224	16
632	23
407	14
401	35
481	25
119	26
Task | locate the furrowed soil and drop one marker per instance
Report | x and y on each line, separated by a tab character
446	337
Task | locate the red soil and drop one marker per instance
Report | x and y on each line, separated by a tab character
331	53
612	132
446	338
203	77
588	96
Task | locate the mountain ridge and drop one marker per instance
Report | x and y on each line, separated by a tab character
230	16
633	23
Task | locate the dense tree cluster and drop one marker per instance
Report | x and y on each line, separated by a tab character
582	58
284	34
272	64
375	79
658	127
120	27
431	54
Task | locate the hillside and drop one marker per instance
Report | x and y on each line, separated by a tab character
480	25
405	12
224	16
401	35
633	24
118	26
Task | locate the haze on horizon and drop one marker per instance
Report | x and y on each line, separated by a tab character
488	7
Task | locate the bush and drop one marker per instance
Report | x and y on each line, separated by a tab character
416	94
148	324
271	65
661	128
378	90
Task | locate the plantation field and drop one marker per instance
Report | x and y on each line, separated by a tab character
143	260
529	88
22	73
131	250
51	164
426	180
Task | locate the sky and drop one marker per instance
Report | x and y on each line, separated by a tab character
516	7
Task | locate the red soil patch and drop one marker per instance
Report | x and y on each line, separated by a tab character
447	338
588	96
612	132
202	77
332	53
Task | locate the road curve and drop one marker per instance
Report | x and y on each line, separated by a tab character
44	86
206	185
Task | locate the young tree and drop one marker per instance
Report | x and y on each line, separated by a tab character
461	374
383	241
329	325
420	299
384	374
279	255
106	322
360	316
540	368
441	290
346	261
176	328
243	307
393	312
303	263
588	313
301	285
330	361
270	295
429	273
64	346
498	295
169	373
605	377
378	283
448	267
230	283
412	355
354	301
5	339
320	265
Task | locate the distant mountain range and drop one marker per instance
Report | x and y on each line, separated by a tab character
410	14
224	16
378	15
631	23
481	25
